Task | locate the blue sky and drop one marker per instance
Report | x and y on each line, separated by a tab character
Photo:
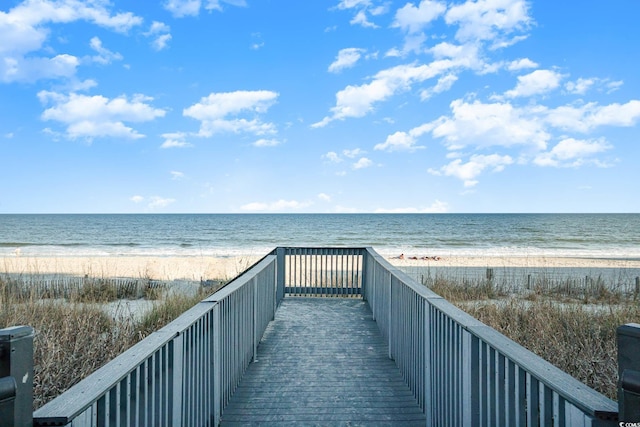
319	106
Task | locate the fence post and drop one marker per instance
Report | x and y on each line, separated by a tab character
16	375
629	372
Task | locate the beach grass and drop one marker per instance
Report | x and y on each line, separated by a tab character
76	335
570	325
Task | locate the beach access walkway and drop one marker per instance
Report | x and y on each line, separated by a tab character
322	361
323	336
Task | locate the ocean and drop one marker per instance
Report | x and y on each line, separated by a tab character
613	236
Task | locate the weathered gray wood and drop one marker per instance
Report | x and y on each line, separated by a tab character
323	362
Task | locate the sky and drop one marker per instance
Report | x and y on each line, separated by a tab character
337	106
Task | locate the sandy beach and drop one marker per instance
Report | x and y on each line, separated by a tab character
197	268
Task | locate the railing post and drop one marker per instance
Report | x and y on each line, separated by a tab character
363	274
217	364
280	266
177	349
629	372
16	363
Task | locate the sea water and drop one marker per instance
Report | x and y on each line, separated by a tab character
614	236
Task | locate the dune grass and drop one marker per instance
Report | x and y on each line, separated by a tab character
572	327
75	335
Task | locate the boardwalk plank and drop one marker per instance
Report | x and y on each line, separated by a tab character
322	361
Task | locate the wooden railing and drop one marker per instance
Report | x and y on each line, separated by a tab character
461	371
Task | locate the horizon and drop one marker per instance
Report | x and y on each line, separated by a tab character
345	107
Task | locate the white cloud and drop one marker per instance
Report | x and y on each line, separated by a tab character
444	84
32	69
324	197
521	64
491	20
352	153
212	112
535	83
404	141
266	142
182	8
361	19
24	30
485	125
176	175
215	4
160	202
160	34
346	58
154	202
97	116
333	157
357	101
104	56
350	4
362	163
589	116
413	19
572	152
175	140
580	86
278	206
436	207
468	172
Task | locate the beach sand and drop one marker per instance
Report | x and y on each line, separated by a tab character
224	268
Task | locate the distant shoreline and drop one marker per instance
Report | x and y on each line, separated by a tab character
213	267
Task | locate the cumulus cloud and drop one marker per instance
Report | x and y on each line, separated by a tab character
536	83
485	125
175	140
521	64
362	163
357	101
468	172
412	19
587	117
176	175
444	84
324	197
277	206
332	157
352	153
262	142
19	69
98	116
104	56
572	152
490	20
214	112
159	32
404	141
346	58
25	28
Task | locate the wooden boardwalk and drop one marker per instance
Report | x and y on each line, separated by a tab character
323	362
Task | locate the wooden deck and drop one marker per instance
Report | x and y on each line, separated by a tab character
322	361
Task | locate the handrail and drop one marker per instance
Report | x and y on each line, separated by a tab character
155	381
470	372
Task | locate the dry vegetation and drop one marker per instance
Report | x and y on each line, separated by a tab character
75	335
570	324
